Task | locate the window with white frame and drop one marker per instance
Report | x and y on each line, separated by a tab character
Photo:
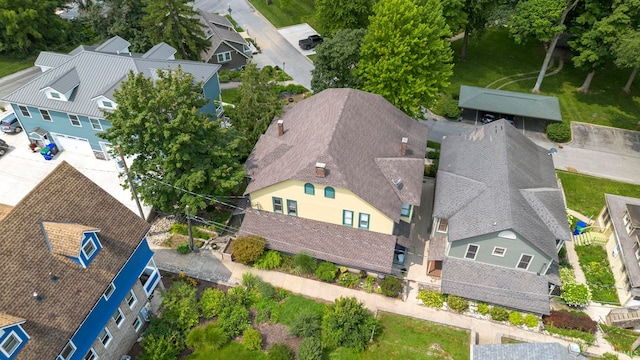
525	261
105	337
224	57
10	344
107	104
626	218
107	293
89	248
499	251
91	355
347	217
24	111
118	317
74	120
443	225
137	323
95	124
68	351
54	95
45	115
629	228
363	221
292	207
472	251
131	299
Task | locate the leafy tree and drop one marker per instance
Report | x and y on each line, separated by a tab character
180	306
335	15
475	14
160	347
544	21
175	146
347	323
30	25
258	104
176	23
406	55
627	53
336	60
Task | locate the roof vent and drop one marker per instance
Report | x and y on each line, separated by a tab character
321	169
403	146
53	277
397	183
37	296
280	127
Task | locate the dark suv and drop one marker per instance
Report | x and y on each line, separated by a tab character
10	124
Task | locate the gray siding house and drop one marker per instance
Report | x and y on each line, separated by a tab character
499	219
228	48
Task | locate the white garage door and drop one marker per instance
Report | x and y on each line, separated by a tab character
73	144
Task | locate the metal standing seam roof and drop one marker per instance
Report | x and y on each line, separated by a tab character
617	205
51	59
493	178
64	196
97	73
114	45
510	102
66	82
162	51
358	136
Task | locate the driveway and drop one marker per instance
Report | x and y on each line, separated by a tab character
273	45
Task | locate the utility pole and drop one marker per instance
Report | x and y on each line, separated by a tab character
189	228
133	189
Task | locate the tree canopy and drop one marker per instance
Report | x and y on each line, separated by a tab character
27	26
176	23
118	17
257	105
406	55
335	15
175	147
336	60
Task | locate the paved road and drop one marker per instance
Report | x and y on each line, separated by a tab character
10	83
273	46
596	150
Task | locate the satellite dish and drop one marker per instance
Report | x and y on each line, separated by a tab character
553	151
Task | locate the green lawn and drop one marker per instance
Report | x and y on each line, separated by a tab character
585	194
621	339
495	55
230	96
408	338
595	265
232	350
300	11
9	64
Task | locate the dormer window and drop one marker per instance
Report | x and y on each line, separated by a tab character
54	95
10	344
107	104
89	249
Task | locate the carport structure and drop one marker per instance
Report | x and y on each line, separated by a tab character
528	110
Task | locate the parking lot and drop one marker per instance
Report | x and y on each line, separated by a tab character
295	33
605	139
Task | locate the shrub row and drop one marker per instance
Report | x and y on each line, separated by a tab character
570	320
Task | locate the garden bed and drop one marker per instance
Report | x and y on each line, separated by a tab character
595	265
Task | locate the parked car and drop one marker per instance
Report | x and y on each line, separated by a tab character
487	118
310	42
3	147
10	124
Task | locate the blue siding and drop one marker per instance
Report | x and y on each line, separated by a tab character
20	333
211	90
96	242
101	313
61	124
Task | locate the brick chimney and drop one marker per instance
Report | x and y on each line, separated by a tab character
321	169
403	146
280	127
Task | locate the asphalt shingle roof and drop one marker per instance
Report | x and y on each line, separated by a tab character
493	178
64	238
523	351
336	243
510	102
64	196
358	136
217	30
617	206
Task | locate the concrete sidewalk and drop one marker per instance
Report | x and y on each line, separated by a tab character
209	265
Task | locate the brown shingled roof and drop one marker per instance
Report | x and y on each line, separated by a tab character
358	135
6	320
65	238
64	196
4	210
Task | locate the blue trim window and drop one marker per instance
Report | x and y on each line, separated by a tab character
89	248
406	210
292	207
329	192
10	344
309	189
67	352
347	217
277	205
107	293
363	222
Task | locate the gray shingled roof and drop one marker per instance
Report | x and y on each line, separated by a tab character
336	243
162	51
523	351
66	82
617	206
217	31
66	302
98	73
114	45
507	287
358	135
495	175
510	102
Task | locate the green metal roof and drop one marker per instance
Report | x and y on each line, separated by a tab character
510	102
